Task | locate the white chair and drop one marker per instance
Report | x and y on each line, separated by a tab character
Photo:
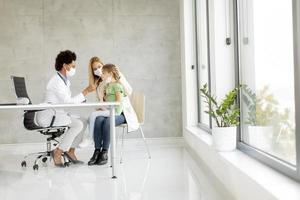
138	103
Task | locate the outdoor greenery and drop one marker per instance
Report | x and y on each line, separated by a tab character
263	109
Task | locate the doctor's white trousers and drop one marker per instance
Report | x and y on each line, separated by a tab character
73	137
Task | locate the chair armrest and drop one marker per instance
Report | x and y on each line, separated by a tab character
33	110
52	128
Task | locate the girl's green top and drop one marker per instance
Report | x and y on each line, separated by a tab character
110	94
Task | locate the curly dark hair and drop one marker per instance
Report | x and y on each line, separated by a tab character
64	57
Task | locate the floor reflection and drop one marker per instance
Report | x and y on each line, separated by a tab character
172	173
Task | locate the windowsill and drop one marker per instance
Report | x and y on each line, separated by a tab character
237	169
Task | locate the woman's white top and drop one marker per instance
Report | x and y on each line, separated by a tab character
126	85
58	92
130	115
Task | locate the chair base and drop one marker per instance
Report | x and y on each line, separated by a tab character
40	156
43	156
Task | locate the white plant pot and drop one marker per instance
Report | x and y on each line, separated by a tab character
260	137
224	138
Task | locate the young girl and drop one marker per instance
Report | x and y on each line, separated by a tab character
114	91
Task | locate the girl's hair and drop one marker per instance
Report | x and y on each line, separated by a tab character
93	79
111	68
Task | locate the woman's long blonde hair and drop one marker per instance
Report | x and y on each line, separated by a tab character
93	79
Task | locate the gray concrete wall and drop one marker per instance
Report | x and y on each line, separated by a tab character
140	36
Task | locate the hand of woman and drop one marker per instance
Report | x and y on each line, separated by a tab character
89	89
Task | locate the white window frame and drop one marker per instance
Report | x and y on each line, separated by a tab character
268	159
206	127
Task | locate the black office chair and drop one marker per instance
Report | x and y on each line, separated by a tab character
29	123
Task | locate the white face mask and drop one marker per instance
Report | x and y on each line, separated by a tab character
72	72
108	80
98	72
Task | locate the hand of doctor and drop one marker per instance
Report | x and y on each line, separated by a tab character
90	88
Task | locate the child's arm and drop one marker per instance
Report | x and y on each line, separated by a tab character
118	96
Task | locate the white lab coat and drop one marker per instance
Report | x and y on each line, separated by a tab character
129	113
58	92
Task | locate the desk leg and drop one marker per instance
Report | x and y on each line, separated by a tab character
113	141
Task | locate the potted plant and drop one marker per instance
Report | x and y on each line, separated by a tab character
261	112
226	117
266	123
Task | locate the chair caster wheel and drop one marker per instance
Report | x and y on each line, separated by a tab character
67	164
45	159
23	163
35	167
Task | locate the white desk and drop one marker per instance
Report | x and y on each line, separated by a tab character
111	106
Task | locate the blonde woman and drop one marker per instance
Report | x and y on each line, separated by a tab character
94	73
96	118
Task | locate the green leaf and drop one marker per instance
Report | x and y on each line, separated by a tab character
225	114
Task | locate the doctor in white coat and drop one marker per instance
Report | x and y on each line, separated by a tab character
58	91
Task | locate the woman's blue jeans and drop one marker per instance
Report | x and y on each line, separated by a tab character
102	130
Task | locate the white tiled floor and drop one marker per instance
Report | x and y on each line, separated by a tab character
171	174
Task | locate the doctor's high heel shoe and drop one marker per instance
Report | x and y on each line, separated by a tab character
74	161
56	164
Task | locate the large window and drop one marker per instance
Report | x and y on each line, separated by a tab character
267	70
202	57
